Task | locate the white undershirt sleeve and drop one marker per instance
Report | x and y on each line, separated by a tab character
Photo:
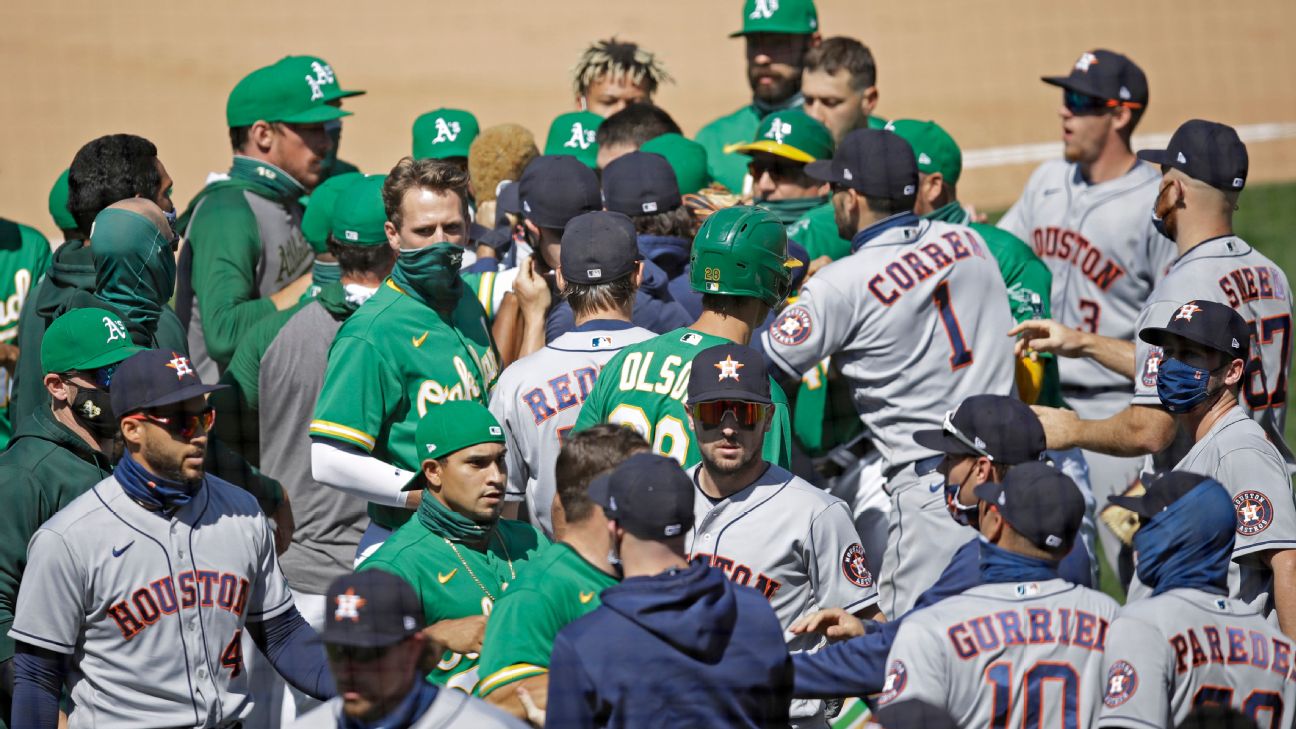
352	471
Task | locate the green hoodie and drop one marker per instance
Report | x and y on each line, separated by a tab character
24	257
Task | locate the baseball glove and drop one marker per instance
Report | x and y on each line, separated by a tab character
1123	522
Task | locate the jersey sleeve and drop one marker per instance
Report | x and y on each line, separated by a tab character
1136	669
359	391
245	366
839	572
1266	514
916	669
501	406
270	595
819	324
1018	218
226	245
1147	357
52	597
519	638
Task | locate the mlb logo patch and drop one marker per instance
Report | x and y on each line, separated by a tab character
594	272
601	341
650	207
691	338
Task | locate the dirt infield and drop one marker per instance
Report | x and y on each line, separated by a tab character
75	69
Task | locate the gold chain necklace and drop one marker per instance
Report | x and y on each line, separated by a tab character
473	575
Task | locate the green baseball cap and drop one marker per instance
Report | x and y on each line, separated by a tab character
319	69
934	148
58	204
279	93
317	221
358	214
449	427
792	134
84	340
779	16
572	134
444	133
686	157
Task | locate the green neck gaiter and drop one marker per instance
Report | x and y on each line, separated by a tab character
442	521
266	179
949	213
431	275
790	211
135	270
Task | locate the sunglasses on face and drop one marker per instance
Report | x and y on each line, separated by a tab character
1078	103
185	425
102	377
777	169
747	414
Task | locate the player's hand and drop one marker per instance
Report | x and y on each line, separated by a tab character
1046	335
532	291
974	215
815	265
1059	426
535	716
835	623
462	635
284	525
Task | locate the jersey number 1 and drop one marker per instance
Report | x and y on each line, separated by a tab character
962	356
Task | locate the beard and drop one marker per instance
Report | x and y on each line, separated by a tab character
781	89
729	468
846	227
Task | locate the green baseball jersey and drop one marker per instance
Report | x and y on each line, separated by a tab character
455	581
817	232
24	257
559	586
392	359
489	287
824	416
644	387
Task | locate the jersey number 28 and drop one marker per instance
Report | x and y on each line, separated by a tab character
668	436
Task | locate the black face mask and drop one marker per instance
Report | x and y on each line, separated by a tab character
92	407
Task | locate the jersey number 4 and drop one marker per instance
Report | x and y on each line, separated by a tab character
961	356
232	656
1256	702
1063	675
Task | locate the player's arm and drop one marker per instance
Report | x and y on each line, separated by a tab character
1283	564
1263	471
818	325
38	682
353	471
516	650
1046	335
839	573
1137	657
506	697
534	300
226	244
916	666
1138	430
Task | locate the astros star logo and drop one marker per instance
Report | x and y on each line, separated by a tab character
180	364
348	606
729	368
1186	311
1085	61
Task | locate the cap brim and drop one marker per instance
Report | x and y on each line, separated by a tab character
822	170
509	200
417	483
1156	156
731	394
107	358
988	491
345	94
942	442
357	639
180	395
600	490
1070	84
769	146
927	466
1158	336
1132	503
314	115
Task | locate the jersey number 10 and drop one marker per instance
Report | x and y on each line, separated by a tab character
999	676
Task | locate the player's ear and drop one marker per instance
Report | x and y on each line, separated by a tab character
56	387
870	100
1122	117
638	274
432	472
688	409
393	235
132	430
1233	375
262	134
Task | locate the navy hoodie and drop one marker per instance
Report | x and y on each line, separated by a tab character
654	309
681	649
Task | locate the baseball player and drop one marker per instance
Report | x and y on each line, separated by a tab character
779	151
373	634
1189	644
572	135
457	553
612	74
325	78
445	134
629	129
138	592
777	35
1204	346
1026	647
317	223
740	264
24	256
539	397
244	256
421	340
839	83
562	584
1086	216
762	526
915	320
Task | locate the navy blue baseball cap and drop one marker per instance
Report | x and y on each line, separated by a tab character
875	162
556	188
370	609
598	247
1206	151
155	378
1208	323
640	183
1108	75
1001	428
649	495
729	372
1161	491
1039	502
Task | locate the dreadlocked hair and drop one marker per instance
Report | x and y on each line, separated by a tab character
618	59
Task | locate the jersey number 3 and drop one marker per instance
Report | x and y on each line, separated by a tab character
961	356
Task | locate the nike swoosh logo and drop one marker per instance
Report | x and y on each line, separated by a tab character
936	487
119	552
585	597
446	577
418	342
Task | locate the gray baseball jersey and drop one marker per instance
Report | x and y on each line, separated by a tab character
917	320
1237	454
449	709
1025	654
151	609
1168	654
1105	255
1228	271
790	541
538	398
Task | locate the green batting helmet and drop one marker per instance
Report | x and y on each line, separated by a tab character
742	251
